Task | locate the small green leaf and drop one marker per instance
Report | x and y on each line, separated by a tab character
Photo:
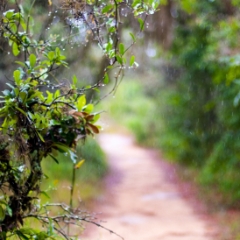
57	94
121	48
49	97
51	55
81	102
8	14
107	8
40	136
89	108
132	60
15	49
32	60
133	37
2	213
119	59
79	164
106	78
45	194
9	210
20	63
17	76
141	24
10	85
74	80
112	29
54	158
96	117
6	92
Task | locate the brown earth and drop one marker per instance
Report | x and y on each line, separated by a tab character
143	198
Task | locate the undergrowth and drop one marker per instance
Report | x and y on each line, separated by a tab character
88	176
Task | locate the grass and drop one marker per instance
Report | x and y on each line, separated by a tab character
88	177
131	108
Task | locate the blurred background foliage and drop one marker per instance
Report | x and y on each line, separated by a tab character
88	176
184	99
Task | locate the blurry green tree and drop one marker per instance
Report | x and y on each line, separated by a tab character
201	105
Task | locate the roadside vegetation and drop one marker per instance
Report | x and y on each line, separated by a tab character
88	178
191	113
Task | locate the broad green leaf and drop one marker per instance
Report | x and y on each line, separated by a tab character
89	108
96	117
32	60
15	49
81	102
17	76
51	55
8	14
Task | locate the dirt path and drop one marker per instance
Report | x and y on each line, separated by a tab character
141	202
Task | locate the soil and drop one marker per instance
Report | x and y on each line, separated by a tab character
143	198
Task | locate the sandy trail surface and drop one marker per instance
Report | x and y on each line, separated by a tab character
141	202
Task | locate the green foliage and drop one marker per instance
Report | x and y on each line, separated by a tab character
93	169
194	118
132	108
200	108
42	118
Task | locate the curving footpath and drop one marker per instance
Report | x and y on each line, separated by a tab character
141	202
